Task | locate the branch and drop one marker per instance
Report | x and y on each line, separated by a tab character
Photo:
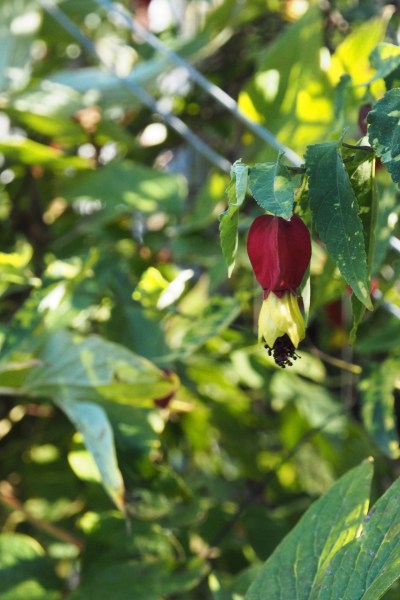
8	499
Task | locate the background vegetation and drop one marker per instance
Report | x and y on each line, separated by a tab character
149	446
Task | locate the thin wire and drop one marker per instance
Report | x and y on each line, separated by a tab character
216	92
172	120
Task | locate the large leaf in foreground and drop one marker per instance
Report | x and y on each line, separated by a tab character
335	212
384	131
367	567
329	524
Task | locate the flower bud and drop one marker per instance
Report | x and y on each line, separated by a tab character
280	252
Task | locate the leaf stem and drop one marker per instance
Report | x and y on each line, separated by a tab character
354	147
8	499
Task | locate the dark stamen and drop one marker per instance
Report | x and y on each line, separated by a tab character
283	351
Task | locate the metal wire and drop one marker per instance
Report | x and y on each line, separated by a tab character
172	120
216	92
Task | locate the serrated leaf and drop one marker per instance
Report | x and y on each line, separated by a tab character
385	58
366	567
92	422
378	411
335	213
329	524
384	131
272	188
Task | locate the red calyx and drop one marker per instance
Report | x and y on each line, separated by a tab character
279	252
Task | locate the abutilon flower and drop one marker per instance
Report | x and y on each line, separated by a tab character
280	252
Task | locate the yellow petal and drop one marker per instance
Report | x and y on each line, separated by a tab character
280	316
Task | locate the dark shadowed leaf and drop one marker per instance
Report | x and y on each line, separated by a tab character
384	131
378	406
335	213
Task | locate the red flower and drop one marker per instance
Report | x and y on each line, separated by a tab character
280	252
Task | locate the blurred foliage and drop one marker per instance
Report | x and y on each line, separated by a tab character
150	448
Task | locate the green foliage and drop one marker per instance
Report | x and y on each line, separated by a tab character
335	213
149	446
337	550
378	406
383	131
271	186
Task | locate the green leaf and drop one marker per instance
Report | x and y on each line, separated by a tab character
384	131
32	153
228	231
366	567
358	311
363	182
352	54
131	579
272	188
239	174
20	21
25	570
218	314
229	220
124	185
378	410
92	368
331	522
385	58
335	213
92	422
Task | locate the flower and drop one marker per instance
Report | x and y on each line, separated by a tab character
280	252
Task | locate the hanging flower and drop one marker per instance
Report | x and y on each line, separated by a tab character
280	252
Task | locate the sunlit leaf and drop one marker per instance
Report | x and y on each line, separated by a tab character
331	523
32	153
92	422
26	572
368	565
92	368
385	58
